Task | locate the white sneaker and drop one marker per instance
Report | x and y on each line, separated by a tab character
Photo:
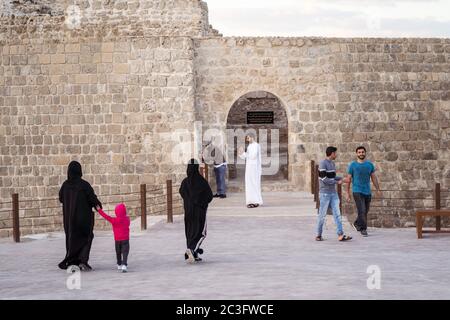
124	268
190	255
119	268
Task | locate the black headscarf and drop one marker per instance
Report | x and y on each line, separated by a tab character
74	171
195	188
193	172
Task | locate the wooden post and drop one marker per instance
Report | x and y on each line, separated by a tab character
169	202
437	199
316	193
16	225
313	165
143	207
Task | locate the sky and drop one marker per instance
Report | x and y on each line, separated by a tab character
331	18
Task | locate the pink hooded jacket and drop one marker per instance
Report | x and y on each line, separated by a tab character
120	224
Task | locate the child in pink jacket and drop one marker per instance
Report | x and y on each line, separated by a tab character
121	229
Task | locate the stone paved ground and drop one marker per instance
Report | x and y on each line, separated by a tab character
268	253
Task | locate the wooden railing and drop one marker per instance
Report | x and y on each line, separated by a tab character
392	198
154	201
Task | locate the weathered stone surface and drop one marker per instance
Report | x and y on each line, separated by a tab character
112	93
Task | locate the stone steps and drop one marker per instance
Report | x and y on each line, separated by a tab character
267	186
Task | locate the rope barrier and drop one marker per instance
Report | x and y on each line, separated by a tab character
38	200
154	213
381	199
41	208
118	194
417	190
156	197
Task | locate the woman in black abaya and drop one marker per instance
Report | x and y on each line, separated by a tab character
196	194
78	199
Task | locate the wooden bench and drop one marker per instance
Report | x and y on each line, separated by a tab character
438	213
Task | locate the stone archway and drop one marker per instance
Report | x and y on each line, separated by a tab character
246	113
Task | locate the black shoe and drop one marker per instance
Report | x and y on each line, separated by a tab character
216	195
355	227
200	251
198	259
85	267
222	196
364	233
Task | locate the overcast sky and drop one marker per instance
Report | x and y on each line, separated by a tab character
331	18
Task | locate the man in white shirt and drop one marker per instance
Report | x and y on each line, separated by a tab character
253	172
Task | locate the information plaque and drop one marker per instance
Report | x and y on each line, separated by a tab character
260	117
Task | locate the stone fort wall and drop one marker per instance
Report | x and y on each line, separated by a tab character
390	95
109	95
112	92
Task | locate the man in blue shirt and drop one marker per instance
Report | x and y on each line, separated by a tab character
360	173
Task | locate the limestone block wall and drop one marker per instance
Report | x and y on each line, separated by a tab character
298	71
390	95
113	103
393	97
61	20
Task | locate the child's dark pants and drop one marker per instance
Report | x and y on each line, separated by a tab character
122	250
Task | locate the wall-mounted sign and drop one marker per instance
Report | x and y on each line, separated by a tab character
260	117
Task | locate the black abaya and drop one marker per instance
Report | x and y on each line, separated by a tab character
196	194
78	199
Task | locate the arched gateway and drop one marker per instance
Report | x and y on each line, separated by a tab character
263	112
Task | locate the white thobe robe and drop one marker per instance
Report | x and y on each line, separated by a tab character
253	171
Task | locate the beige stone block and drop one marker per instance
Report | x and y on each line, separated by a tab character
61	160
16	91
121	68
56	69
122	47
135	147
18	49
147	93
120	58
102	159
82	78
72	68
107	57
108	47
44	59
58	58
117	159
114	129
72	48
162	55
4	233
412	76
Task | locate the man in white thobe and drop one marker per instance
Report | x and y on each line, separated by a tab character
253	171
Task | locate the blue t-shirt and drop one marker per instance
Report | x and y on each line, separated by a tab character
361	173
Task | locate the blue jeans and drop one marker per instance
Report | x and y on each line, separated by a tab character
327	200
220	179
